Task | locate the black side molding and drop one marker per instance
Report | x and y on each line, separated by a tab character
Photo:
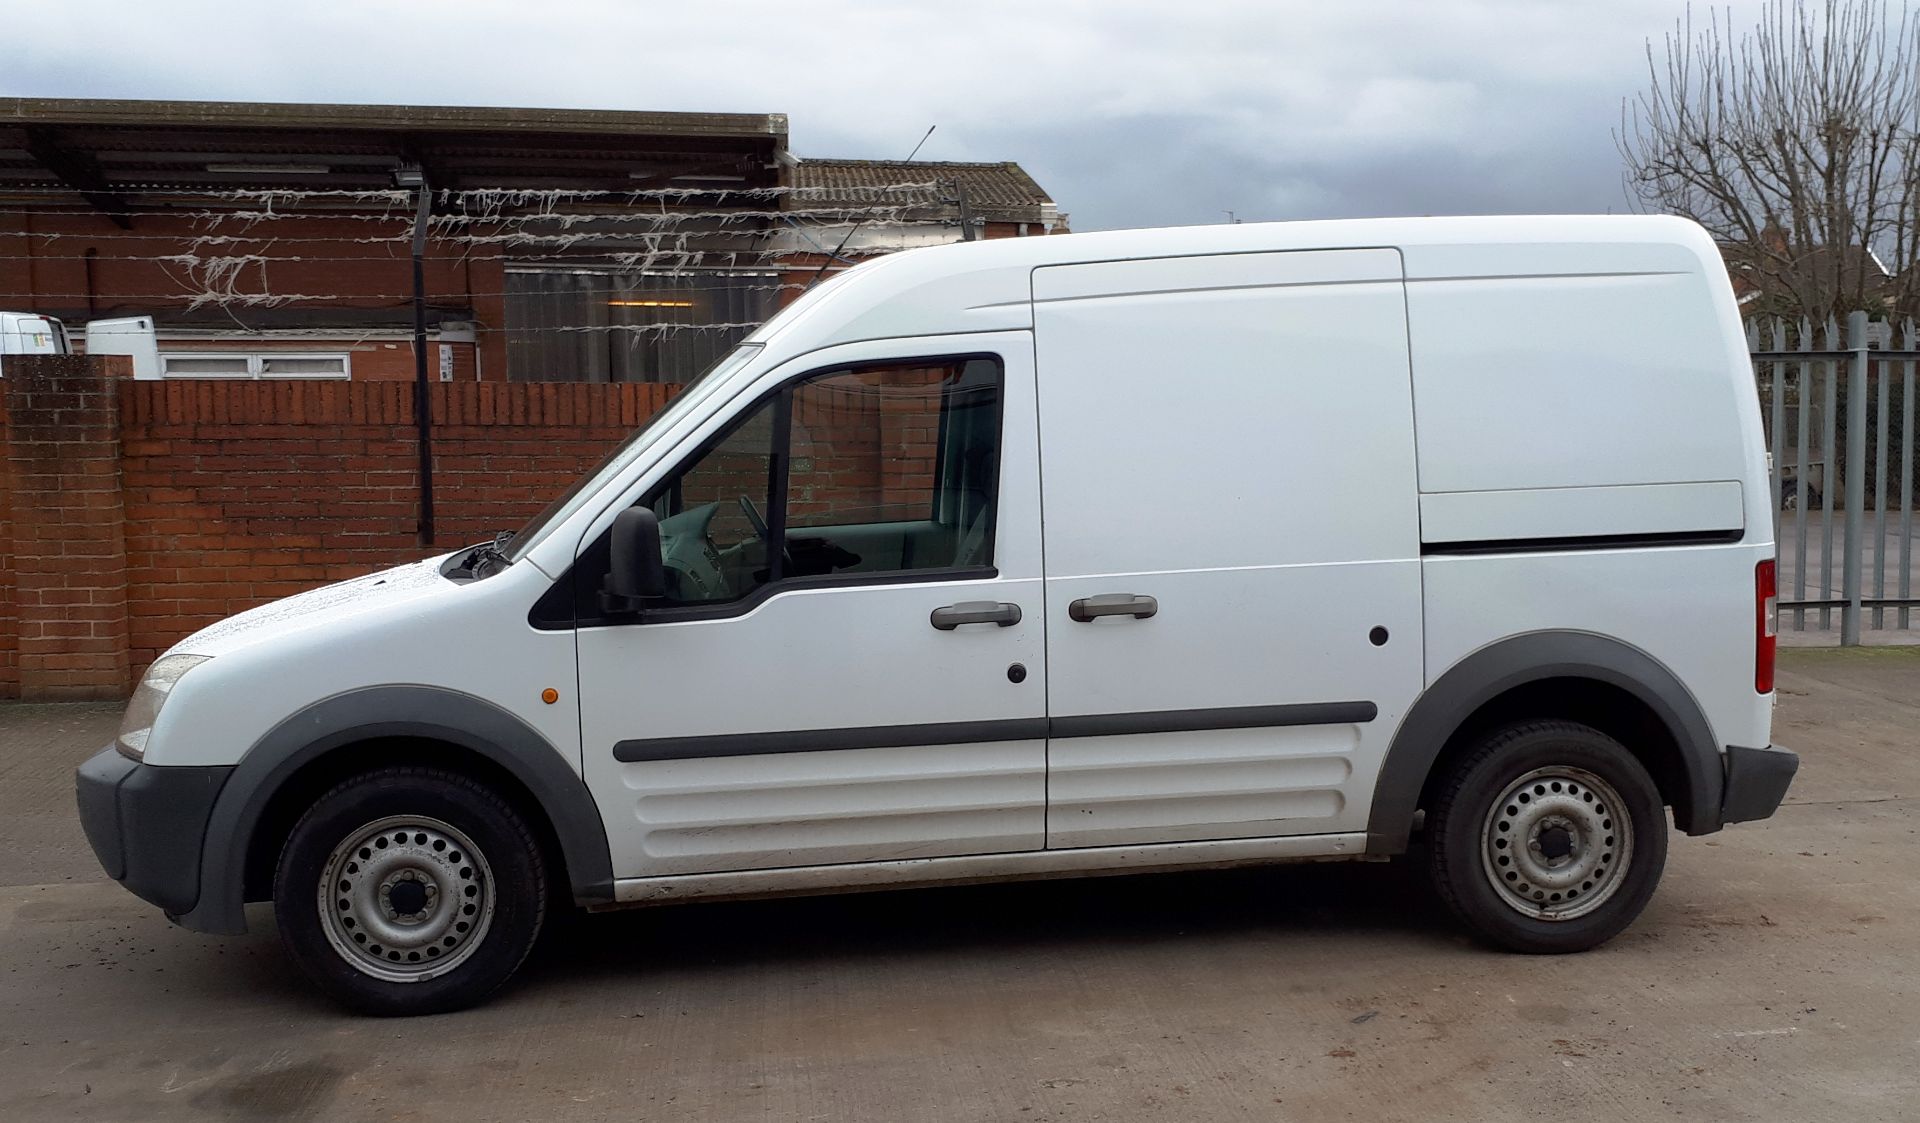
1582	542
820	740
1235	717
1015	729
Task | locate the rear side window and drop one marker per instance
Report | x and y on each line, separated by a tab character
848	474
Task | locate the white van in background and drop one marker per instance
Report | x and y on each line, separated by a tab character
1038	557
132	336
29	333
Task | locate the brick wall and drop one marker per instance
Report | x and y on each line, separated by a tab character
9	616
132	513
66	524
239	493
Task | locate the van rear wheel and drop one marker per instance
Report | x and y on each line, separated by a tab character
1548	837
410	891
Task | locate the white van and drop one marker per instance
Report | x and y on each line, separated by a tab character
132	336
1041	557
29	333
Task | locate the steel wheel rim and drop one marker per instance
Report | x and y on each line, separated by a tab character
406	898
1557	843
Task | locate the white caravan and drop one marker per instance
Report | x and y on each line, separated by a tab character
1040	557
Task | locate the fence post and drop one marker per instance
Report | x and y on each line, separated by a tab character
1856	475
1802	441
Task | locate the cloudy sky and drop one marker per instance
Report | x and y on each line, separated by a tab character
1129	113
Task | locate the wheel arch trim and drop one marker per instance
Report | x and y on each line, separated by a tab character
465	721
1515	661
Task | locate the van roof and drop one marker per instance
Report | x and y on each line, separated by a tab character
1331	234
986	285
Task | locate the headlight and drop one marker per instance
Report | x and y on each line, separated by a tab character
144	709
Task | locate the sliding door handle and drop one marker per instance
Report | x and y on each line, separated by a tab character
1113	604
975	612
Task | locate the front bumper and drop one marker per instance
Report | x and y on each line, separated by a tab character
1756	782
148	824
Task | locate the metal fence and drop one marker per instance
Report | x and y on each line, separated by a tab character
1838	409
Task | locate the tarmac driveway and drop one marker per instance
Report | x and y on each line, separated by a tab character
1774	977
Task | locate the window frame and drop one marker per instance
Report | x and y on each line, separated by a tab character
256	366
568	605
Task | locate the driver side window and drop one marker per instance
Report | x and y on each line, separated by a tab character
850	472
712	521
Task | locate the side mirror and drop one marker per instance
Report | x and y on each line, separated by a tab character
635	574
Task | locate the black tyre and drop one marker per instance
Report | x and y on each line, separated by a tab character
1547	837
410	890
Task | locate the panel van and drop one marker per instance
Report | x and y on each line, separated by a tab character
29	333
132	336
1040	557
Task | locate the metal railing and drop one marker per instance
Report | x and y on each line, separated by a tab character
1829	403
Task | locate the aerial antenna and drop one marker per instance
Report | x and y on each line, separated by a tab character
832	257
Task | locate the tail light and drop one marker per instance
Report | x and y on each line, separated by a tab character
1766	625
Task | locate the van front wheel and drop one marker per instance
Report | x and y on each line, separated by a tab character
409	891
1548	837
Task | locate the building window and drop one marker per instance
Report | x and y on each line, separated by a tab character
588	325
270	364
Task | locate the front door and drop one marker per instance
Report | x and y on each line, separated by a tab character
849	665
1232	542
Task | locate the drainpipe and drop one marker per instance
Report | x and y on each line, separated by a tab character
93	290
422	408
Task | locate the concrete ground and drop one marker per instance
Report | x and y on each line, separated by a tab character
1774	977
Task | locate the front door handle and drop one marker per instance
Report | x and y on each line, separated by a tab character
1113	604
975	612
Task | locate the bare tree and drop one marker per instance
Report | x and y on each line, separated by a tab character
1797	145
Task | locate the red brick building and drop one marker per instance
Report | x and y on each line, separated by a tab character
274	241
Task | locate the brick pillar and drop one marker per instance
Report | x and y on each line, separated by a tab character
68	524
